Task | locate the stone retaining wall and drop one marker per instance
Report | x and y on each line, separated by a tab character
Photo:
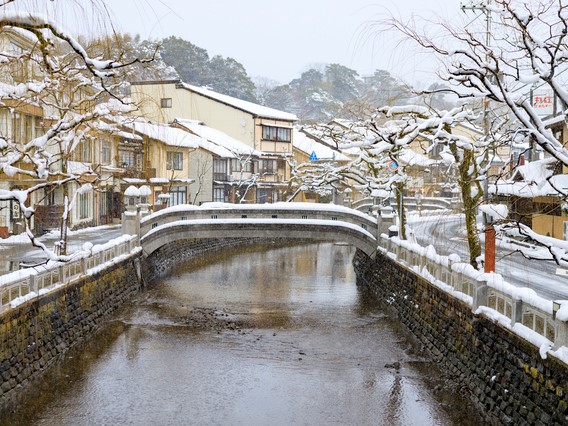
502	374
170	256
39	332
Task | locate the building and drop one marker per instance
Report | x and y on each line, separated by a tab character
308	150
231	173
192	163
266	130
65	162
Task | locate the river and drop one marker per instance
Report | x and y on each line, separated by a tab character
281	336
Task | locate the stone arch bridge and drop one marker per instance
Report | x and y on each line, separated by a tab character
317	222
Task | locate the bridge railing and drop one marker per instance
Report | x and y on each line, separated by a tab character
25	284
519	309
424	203
220	211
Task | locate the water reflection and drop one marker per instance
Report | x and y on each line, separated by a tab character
305	347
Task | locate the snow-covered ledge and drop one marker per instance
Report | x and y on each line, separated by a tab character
540	321
20	286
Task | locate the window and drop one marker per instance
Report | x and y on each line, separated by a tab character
265	195
219	169
178	195
28	127
84	200
166	102
267	166
279	134
130	159
83	151
174	161
238	165
105	153
38	127
20	67
48	197
17	127
219	195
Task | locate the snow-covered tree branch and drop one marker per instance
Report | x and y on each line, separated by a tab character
53	92
519	49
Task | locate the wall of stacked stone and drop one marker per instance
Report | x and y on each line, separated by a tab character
170	256
39	332
501	373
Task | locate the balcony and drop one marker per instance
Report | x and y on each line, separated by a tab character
220	177
131	173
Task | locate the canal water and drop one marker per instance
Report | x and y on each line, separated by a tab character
259	337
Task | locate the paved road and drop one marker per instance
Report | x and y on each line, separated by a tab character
446	234
13	252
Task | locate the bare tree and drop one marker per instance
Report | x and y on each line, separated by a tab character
203	166
523	46
385	139
71	89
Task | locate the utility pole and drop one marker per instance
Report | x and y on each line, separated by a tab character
489	262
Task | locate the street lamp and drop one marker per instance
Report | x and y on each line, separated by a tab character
132	198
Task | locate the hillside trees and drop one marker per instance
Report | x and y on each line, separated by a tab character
333	90
320	93
192	63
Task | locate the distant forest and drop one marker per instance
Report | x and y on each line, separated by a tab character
318	94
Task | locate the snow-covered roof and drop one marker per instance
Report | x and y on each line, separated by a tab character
176	137
166	134
533	179
217	141
308	145
409	157
254	109
535	171
132	191
128	135
531	189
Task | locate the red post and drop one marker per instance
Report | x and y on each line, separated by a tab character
489	249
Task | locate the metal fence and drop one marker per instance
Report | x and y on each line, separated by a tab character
36	281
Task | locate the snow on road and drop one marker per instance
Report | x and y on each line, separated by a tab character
446	234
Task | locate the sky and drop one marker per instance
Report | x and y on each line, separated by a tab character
279	40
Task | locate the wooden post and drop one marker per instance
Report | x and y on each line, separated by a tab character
489	249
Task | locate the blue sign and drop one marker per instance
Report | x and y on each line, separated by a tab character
393	165
313	156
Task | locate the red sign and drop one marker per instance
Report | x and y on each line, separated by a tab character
543	103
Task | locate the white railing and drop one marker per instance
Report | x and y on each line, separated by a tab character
27	283
220	211
517	307
424	203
